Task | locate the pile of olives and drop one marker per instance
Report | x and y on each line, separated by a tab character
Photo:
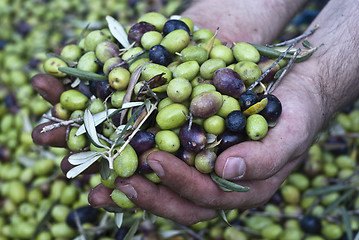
202	90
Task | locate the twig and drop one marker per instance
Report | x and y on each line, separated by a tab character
60	123
271	67
295	40
273	85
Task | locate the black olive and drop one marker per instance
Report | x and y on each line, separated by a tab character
247	99
228	139
143	141
173	24
236	121
311	224
160	55
86	214
273	109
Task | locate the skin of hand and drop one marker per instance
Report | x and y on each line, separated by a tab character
308	96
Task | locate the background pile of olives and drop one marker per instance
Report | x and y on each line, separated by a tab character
31	183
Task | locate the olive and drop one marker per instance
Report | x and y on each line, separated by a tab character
245	52
264	65
121	199
186	156
214	125
176	40
160	55
143	166
73	100
150	39
112	63
137	30
192	139
311	224
142	141
248	71
210	66
228	82
60	112
204	161
247	99
229	104
194	53
257	127
173	24
85	89
167	140
236	121
179	89
272	110
87	62
106	50
126	163
206	104
71	52
103	89
119	78
154	18
172	116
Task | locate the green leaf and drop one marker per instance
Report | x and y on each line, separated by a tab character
118	31
82	34
104	170
306	44
82	157
44	220
222	215
119	219
228	185
74	172
90	127
326	190
83	75
131	233
346	222
98	119
272	53
337	202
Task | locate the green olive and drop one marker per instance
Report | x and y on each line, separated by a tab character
117	98
176	40
150	39
194	53
110	181
119	78
156	19
137	63
69	195
202	34
210	66
121	199
248	71
76	143
204	161
188	70
131	52
164	102
245	52
179	89
94	38
222	52
257	127
44	166
73	100
87	62
167	141
62	230
172	116
214	125
205	87
229	104
153	69
126	163
71	52
51	66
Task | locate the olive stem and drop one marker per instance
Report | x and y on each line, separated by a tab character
60	123
271	67
296	39
111	159
274	84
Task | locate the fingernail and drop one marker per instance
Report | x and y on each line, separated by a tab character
234	168
128	190
156	166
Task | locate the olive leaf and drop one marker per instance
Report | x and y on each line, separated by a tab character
90	127
118	31
226	185
346	223
306	44
104	170
74	172
82	157
83	75
222	215
131	233
326	190
98	119
119	219
168	234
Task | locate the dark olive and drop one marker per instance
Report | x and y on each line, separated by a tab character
85	89
160	55
192	139
173	24
228	139
143	141
186	156
86	214
228	82
137	30
103	90
247	99
143	166
236	121
272	110
311	224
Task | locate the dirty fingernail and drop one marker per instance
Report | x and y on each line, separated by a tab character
128	190
234	168
156	166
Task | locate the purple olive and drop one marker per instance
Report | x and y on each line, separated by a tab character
193	139
228	82
143	141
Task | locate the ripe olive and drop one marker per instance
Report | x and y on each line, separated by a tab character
137	30
272	110
247	99
228	82
236	121
206	104
174	24
192	139
160	55
204	161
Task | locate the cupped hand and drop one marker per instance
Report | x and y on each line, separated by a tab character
188	196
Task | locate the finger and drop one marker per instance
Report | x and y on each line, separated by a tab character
162	201
49	87
55	138
67	166
99	197
289	139
199	188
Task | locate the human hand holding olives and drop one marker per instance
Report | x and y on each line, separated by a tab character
188	196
